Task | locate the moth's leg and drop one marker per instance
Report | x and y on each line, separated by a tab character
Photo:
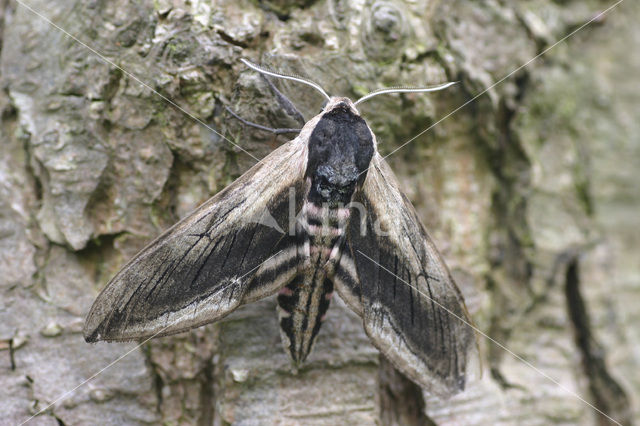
285	103
259	126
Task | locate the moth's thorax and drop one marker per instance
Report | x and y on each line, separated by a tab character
340	148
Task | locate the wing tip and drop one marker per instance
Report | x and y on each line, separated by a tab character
443	388
99	334
95	326
90	333
92	338
443	384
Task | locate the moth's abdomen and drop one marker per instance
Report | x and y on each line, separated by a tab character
303	307
323	224
304	302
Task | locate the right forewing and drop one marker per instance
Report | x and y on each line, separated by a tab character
233	249
393	276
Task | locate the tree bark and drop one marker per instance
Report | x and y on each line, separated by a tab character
530	191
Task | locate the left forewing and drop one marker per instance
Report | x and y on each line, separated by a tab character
393	276
233	249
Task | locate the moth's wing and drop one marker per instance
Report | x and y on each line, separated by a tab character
233	249
411	308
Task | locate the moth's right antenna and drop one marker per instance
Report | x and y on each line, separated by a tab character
404	90
286	76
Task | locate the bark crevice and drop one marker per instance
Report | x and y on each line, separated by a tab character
607	394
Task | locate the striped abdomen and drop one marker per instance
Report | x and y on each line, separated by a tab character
304	302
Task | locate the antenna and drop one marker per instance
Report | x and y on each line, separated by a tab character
404	90
285	76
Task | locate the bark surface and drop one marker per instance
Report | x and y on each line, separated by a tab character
530	191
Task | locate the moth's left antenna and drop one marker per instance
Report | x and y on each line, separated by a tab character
286	76
404	90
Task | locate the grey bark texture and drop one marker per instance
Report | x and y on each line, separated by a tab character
531	192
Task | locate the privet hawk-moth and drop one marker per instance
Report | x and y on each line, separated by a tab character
321	213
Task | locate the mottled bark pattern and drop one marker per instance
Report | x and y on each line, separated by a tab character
530	192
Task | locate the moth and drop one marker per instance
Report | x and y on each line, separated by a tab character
322	213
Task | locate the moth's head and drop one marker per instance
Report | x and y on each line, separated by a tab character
340	149
340	144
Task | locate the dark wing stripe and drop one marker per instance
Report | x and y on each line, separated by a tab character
249	244
206	261
347	283
275	272
233	240
170	268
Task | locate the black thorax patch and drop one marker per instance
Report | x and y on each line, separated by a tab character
340	150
